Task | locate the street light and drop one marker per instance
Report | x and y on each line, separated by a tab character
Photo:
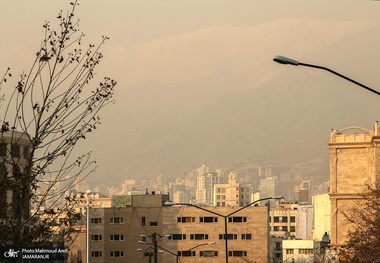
174	254
154	239
289	61
168	203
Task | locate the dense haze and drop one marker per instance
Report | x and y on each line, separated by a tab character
196	80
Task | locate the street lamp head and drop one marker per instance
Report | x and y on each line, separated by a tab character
140	249
212	243
142	235
278	197
141	242
167	235
169	203
285	60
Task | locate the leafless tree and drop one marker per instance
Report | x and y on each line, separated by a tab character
51	109
364	239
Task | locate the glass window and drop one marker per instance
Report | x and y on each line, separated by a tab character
15	150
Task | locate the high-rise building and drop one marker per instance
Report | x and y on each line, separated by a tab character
354	163
205	187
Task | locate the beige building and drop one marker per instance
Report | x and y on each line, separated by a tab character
298	251
233	193
115	232
354	162
205	187
284	219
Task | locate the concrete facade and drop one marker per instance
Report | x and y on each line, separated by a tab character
354	162
298	251
115	232
284	219
322	215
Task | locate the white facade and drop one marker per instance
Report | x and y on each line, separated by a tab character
298	251
205	187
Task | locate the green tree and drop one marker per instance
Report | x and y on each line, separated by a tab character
51	109
363	241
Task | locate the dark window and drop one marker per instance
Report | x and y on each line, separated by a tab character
199	236
292	229
292	219
148	254
229	236
15	150
3	149
186	219
237	219
284	228
96	220
284	219
290	251
116	237
237	253
186	253
143	221
116	254
26	152
278	246
96	254
177	236
153	223
276	228
116	220
276	219
208	253
246	236
96	237
278	255
208	219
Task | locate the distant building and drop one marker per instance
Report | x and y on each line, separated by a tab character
322	216
354	163
268	187
205	187
233	193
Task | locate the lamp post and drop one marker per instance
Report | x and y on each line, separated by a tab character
289	61
147	251
155	237
224	216
174	254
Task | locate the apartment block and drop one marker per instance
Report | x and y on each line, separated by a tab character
185	231
284	219
233	193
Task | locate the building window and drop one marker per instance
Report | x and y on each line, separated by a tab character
284	228
96	254
153	223
217	197
116	254
289	251
177	237
306	251
292	229
278	246
15	150
229	236
186	219
237	253
143	221
223	203
3	149
292	219
208	219
186	253
26	152
217	203
199	236
223	197
96	220
218	190
237	219
208	253
284	219
116	237
148	254
96	237
116	220
246	236
276	228
276	219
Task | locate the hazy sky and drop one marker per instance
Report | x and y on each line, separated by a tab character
138	25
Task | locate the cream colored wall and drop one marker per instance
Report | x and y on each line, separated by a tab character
322	215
